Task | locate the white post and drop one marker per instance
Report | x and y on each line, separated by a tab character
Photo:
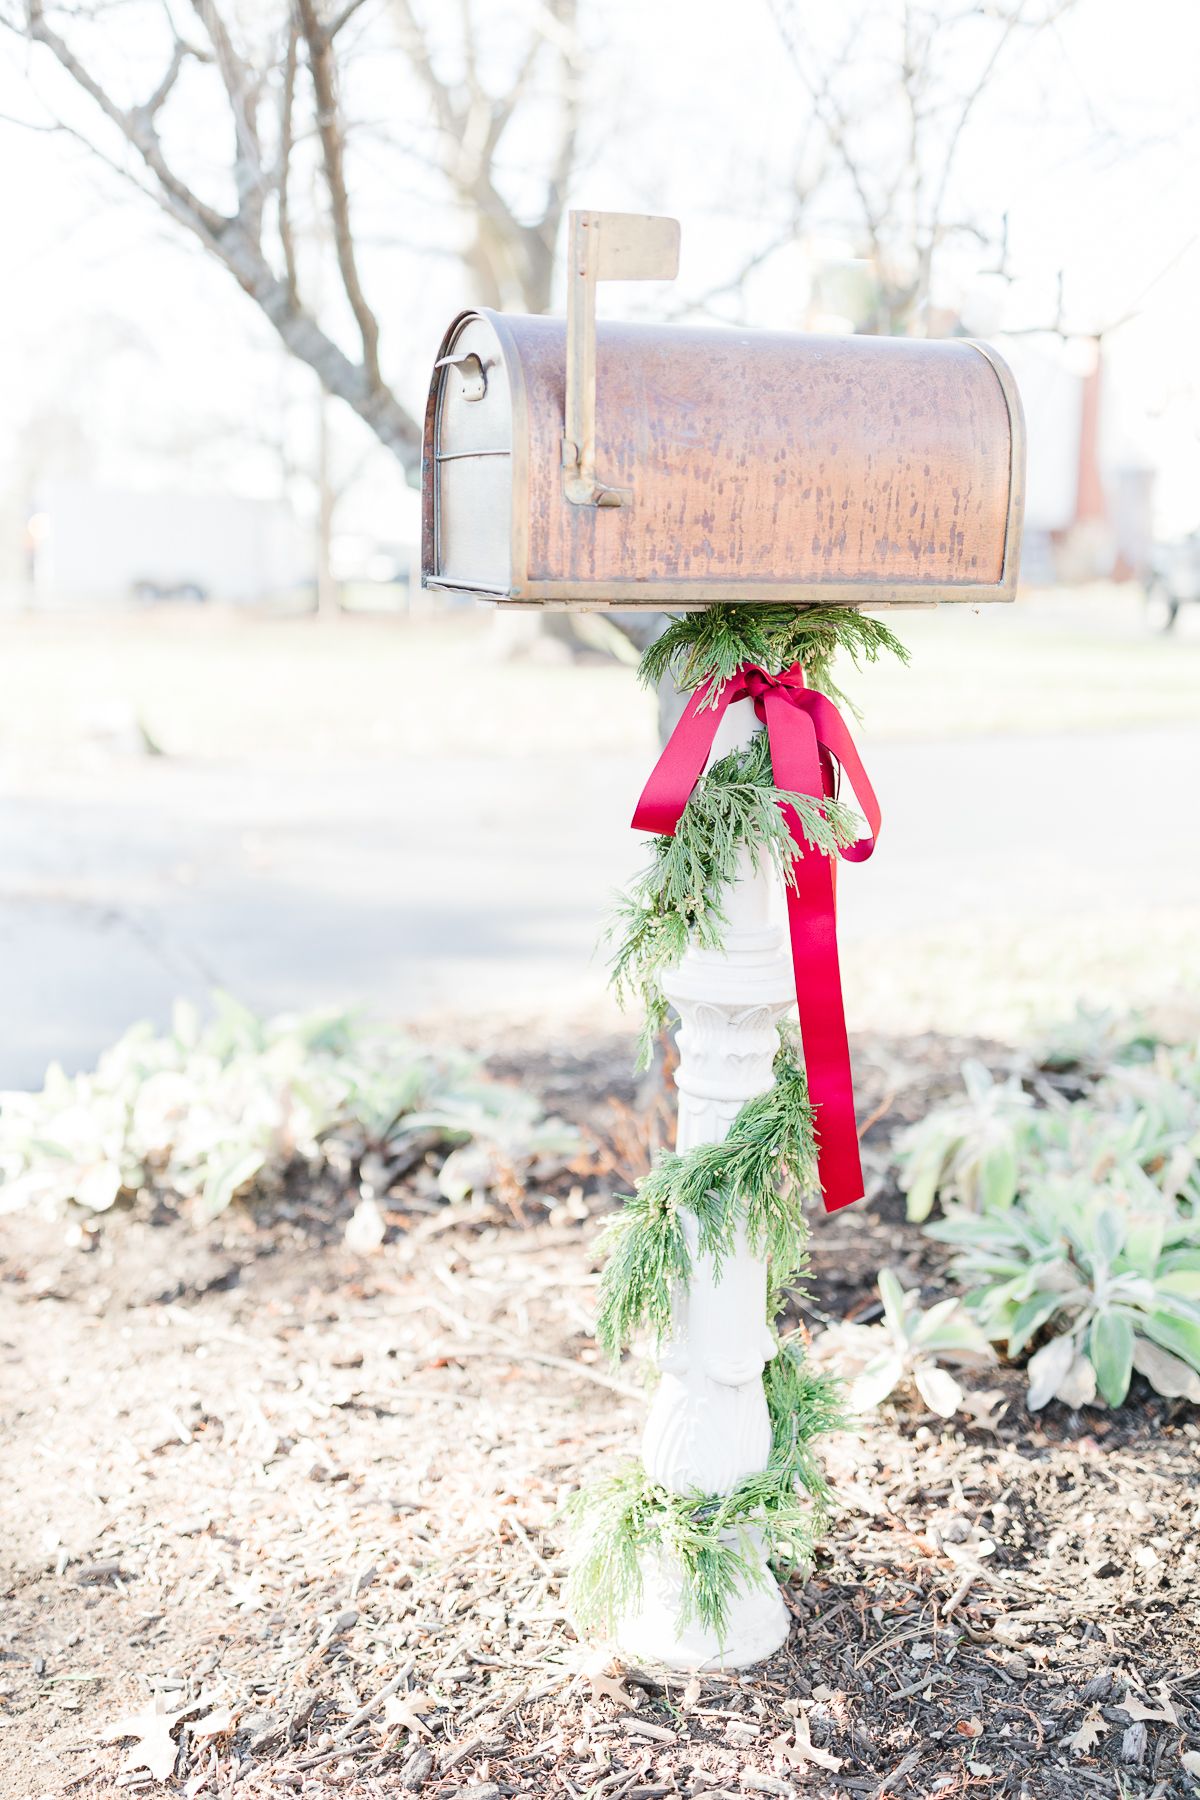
708	1425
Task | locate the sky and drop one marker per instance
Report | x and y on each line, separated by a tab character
123	347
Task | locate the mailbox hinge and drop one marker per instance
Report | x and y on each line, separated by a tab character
602	247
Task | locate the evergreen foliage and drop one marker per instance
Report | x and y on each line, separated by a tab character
716	1541
760	1172
691	1203
716	641
734	805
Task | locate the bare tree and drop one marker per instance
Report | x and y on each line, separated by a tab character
893	102
278	87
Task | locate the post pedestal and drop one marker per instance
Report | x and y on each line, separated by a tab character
708	1425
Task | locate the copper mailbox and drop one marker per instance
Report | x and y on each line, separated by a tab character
575	465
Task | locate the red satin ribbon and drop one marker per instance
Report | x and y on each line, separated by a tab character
807	735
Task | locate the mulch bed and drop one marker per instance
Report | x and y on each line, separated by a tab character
308	1499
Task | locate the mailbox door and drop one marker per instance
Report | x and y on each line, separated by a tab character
468	474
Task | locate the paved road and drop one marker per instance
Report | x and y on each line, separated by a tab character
415	885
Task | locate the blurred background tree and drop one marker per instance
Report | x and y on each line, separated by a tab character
271	85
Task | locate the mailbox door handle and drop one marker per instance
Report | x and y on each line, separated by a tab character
602	247
474	375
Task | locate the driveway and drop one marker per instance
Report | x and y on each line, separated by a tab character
413	886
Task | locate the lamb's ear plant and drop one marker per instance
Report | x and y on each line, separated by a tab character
908	1349
222	1109
1139	1117
967	1150
1111	1286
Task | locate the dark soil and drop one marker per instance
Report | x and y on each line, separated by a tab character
313	1494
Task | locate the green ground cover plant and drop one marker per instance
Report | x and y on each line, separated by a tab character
214	1110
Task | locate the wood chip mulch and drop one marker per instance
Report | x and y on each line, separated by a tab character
280	1519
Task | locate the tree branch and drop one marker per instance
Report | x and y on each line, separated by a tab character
136	126
235	241
323	70
287	102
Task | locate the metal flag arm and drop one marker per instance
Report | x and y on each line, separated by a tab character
602	247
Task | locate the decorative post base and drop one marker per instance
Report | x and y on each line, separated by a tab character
758	1626
708	1426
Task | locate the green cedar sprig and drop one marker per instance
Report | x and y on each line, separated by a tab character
734	805
716	1541
719	639
759	1172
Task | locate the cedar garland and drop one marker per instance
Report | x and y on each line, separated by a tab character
760	1172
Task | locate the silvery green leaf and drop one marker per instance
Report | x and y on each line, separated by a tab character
1181	1281
977	1080
1181	1337
922	1187
1109	1234
999	1183
1180	1306
1111	1350
940	1392
937	1315
895	1306
876	1382
1047	1368
1028	1320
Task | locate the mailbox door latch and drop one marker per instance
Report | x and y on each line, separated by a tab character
472	371
602	247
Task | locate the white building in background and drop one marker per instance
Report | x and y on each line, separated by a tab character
93	546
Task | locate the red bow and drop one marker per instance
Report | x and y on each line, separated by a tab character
807	734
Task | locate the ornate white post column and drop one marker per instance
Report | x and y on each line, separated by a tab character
708	1425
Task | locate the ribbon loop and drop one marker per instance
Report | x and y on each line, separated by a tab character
808	737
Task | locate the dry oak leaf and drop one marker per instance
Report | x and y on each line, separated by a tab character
605	1685
215	1723
1089	1733
691	1694
155	1748
406	1710
1137	1709
800	1753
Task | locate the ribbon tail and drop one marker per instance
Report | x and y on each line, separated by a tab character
823	1030
796	761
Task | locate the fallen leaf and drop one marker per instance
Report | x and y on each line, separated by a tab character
971	1728
691	1694
1089	1733
406	1709
219	1720
799	1753
1137	1709
1191	1761
155	1748
605	1686
366	1228
986	1406
938	1389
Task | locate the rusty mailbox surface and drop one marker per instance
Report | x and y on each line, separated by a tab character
661	465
